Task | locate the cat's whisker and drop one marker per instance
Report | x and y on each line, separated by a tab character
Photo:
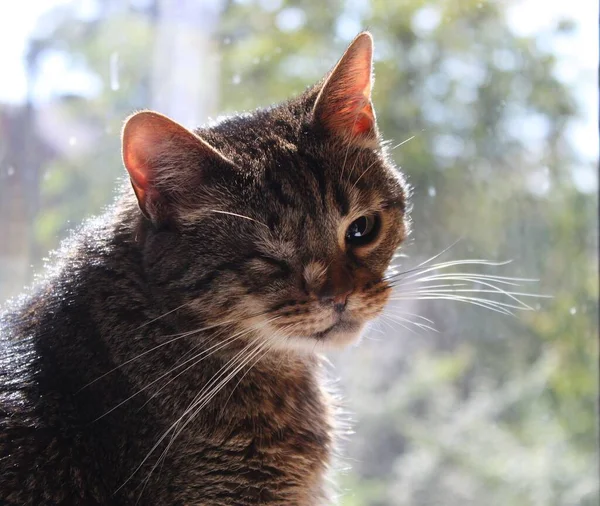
456	279
175	433
196	359
200	356
173	369
519	305
287	330
507	280
473	288
512	295
437	255
463	276
349	145
444	285
176	337
401	322
161	316
227	341
477	301
374	328
445	265
207	395
242	356
239	216
415	315
363	173
400	318
165	434
261	344
402	143
267	346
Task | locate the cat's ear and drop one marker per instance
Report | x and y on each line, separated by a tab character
343	106
164	160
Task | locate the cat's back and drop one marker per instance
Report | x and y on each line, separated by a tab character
50	343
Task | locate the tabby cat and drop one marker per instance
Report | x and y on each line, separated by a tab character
171	353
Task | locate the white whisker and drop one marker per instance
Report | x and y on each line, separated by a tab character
197	358
161	316
205	392
208	393
402	143
399	319
406	327
176	337
413	314
498	306
240	216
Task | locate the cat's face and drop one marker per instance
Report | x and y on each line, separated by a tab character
281	222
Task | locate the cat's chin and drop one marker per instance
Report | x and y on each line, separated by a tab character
340	334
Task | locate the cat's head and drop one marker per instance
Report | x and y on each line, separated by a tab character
279	224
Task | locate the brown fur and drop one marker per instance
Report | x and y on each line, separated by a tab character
238	258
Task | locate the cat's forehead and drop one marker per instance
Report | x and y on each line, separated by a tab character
282	143
261	136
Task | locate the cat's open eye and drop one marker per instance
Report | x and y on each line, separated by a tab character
363	230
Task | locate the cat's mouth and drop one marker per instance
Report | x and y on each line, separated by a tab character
343	325
310	325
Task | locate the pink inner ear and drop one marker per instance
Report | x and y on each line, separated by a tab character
135	162
354	117
344	105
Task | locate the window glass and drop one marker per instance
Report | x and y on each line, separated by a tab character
491	107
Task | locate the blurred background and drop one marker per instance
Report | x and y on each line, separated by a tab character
500	100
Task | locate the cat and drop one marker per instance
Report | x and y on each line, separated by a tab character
172	352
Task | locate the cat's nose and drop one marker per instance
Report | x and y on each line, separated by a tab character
338	301
337	287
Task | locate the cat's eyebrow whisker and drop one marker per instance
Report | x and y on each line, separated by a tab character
240	216
363	173
348	148
402	143
372	164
